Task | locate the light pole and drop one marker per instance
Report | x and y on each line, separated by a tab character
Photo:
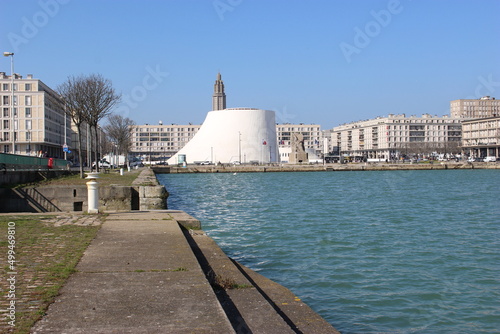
11	55
239	147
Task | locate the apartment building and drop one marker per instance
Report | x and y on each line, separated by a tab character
486	106
158	142
394	136
32	118
481	137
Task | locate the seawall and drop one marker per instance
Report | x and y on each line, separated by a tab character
320	167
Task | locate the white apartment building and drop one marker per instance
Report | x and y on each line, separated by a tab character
486	106
155	142
32	118
395	136
481	137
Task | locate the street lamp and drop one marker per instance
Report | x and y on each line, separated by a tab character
11	55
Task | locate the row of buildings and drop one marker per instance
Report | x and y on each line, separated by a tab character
32	120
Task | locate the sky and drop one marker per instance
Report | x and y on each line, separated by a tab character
326	62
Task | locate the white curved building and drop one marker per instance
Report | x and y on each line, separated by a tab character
233	135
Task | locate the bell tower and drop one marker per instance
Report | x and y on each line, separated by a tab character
219	97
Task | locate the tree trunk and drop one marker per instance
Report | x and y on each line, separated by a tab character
78	127
96	153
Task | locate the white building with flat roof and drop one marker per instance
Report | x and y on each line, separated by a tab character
387	138
159	142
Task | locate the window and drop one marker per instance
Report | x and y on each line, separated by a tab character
15	100
15	87
5	100
27	100
28	124
5	112
27	87
5	123
5	86
28	135
27	112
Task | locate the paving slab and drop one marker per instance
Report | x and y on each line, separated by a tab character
139	275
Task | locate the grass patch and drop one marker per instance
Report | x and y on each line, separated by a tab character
226	283
45	257
180	269
113	177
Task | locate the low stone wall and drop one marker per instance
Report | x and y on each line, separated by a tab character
152	195
65	198
145	194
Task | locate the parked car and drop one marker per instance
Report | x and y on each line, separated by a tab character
206	163
490	159
136	163
102	164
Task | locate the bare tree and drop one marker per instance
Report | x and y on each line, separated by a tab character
119	130
100	98
72	95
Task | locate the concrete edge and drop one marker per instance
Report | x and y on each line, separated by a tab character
298	315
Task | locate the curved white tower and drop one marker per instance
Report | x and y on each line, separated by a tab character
231	135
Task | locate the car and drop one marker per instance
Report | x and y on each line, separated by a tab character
205	163
136	163
490	159
102	164
236	163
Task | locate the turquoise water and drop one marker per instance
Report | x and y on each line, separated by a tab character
372	252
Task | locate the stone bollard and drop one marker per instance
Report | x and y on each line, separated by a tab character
121	171
93	192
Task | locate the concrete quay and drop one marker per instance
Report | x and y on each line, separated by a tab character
157	272
321	168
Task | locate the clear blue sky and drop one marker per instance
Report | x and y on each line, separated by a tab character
326	62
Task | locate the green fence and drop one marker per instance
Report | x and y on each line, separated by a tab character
24	162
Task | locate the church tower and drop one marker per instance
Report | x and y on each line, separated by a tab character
219	97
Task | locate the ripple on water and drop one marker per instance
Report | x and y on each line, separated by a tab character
372	252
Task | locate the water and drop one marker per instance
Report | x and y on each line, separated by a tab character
371	252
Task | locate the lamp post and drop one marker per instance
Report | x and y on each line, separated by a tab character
239	147
11	55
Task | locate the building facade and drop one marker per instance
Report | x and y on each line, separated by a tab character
481	137
475	108
158	142
32	118
396	136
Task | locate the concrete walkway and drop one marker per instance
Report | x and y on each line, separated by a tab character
144	274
